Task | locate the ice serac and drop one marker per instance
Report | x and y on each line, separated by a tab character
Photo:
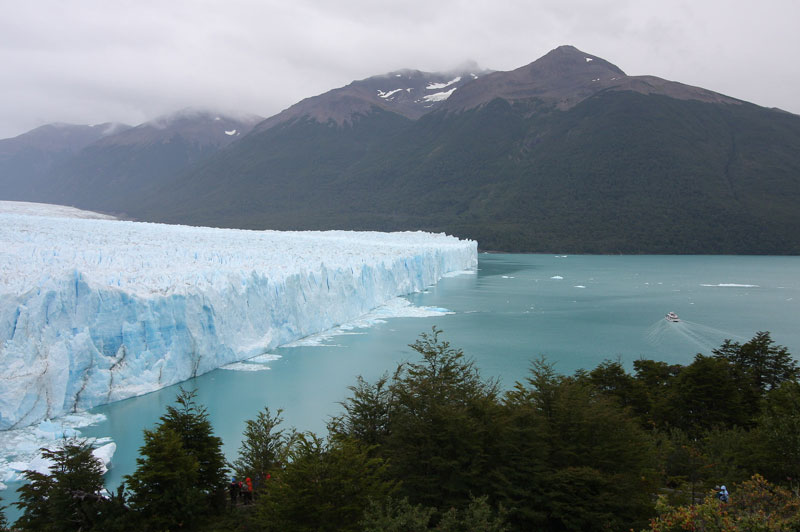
94	310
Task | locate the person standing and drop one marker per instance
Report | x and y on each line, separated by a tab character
233	490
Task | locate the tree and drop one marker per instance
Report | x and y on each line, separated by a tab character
706	394
181	473
264	450
442	437
69	496
477	516
368	412
326	486
164	488
393	515
777	435
611	379
589	465
766	364
190	421
655	378
3	520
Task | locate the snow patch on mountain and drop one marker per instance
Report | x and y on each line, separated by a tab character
437	86
389	94
439	96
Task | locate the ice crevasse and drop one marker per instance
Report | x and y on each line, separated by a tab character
95	310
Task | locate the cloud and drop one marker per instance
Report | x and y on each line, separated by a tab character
95	61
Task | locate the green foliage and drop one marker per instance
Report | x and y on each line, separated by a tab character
66	498
264	449
164	488
765	364
443	426
393	515
777	436
478	516
707	394
181	472
367	415
597	467
327	485
190	421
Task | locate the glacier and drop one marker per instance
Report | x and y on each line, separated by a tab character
95	310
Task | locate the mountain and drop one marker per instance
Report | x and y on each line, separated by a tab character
567	154
117	171
565	77
409	93
27	158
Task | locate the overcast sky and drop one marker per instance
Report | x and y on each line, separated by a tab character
92	61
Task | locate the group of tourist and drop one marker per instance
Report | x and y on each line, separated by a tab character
238	489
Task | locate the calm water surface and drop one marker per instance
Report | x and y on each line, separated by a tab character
575	310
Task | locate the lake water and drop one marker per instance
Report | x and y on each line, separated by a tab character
575	310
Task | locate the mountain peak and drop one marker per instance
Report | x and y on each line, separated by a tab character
566	76
406	92
567	57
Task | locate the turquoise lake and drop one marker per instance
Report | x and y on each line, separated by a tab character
574	310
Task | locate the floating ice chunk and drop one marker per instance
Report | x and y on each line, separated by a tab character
265	358
459	273
557	277
245	366
105	453
732	285
579	286
231	132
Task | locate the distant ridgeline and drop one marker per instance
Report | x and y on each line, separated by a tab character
567	154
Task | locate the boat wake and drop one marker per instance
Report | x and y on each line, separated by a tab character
697	335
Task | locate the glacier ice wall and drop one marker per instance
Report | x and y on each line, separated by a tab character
94	310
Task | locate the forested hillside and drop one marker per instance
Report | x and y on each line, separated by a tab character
621	172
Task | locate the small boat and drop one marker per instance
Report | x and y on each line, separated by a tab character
671	316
